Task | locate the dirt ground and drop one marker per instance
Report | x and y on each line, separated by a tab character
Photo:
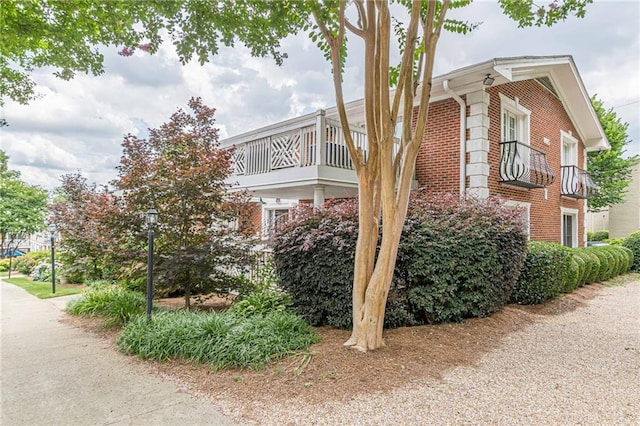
330	372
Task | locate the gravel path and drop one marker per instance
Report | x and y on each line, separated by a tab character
581	367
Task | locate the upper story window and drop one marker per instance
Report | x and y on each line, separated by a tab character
515	120
569	149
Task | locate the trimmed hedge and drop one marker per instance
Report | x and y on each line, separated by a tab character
597	236
632	242
547	269
456	259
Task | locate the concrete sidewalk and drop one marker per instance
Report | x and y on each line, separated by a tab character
53	374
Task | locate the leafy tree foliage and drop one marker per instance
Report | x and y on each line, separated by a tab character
65	35
22	208
181	171
609	169
91	223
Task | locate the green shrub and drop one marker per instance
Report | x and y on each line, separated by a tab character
115	303
605	263
619	260
615	241
632	242
589	264
546	270
571	277
261	303
597	236
628	254
221	340
24	264
582	269
459	259
456	259
4	265
42	273
42	256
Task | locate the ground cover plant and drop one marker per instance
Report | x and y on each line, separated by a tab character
43	290
115	303
222	340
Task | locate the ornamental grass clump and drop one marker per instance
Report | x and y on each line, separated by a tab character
222	340
113	302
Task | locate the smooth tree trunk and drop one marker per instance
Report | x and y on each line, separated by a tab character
386	172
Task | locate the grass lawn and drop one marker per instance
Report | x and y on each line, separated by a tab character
42	290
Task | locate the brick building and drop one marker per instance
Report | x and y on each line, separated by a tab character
514	127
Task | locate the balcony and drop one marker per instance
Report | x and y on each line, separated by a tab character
524	166
296	158
577	183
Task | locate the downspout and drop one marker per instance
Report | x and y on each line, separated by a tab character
463	136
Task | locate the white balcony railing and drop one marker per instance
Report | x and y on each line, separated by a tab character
305	141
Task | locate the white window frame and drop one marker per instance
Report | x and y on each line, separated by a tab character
526	208
568	139
523	119
569	212
268	210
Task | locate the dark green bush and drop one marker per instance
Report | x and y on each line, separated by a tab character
632	242
456	259
597	236
546	269
619	260
459	259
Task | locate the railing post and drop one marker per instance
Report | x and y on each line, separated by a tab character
321	132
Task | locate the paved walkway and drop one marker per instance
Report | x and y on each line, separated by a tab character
53	374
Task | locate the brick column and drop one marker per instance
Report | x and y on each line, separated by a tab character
478	144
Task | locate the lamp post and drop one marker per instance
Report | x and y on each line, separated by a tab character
152	221
52	231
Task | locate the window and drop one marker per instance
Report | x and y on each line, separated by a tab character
515	120
525	208
569	149
569	227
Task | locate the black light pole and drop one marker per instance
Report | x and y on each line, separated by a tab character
52	231
152	221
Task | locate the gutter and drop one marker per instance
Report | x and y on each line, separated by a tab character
463	136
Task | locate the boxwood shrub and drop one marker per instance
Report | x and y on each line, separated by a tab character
632	242
456	259
597	236
546	271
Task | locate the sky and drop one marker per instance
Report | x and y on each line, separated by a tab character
79	125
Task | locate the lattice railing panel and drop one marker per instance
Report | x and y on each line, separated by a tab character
285	150
238	158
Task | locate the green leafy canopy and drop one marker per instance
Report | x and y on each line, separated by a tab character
609	169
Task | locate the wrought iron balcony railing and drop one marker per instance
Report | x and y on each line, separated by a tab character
522	165
577	183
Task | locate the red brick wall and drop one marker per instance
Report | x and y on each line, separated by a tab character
250	220
438	164
548	118
438	169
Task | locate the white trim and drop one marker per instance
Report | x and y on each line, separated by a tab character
569	212
523	116
566	138
527	212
